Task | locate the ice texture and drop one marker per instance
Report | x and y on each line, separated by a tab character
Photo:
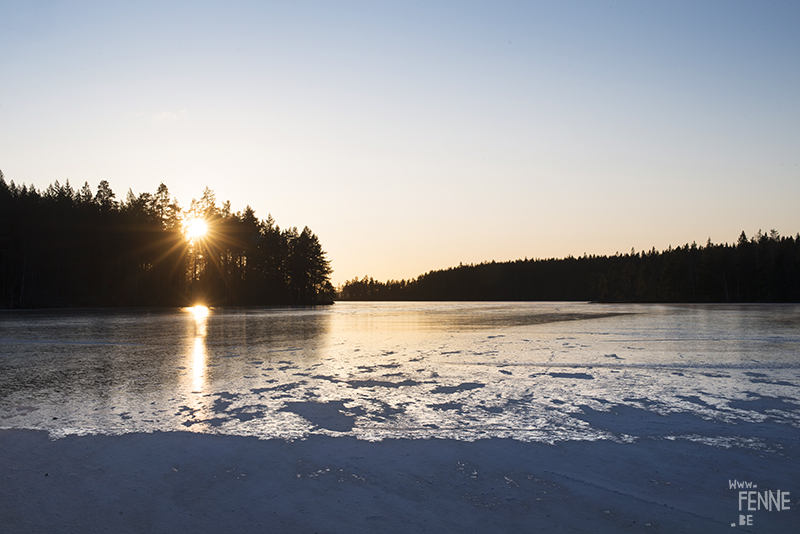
535	372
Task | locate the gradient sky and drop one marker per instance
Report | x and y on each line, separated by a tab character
412	136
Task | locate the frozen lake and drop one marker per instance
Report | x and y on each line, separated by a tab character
540	372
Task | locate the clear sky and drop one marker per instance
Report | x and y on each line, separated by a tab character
412	136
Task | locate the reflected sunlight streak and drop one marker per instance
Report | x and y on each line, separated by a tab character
200	313
199	353
199	364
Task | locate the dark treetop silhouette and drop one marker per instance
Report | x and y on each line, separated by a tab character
63	247
765	268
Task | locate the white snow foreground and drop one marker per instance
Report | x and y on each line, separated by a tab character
188	482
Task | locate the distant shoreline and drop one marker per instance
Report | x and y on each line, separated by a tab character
332	303
762	269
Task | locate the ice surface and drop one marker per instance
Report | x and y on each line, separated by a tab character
527	371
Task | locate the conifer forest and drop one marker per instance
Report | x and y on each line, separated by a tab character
66	247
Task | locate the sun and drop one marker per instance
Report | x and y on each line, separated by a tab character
195	228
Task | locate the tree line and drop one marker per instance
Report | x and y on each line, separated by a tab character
66	247
764	268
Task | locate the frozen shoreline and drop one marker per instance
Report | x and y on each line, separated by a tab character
186	482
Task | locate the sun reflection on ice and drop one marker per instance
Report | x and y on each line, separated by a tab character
199	353
200	313
198	365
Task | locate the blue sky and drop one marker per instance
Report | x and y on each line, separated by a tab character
416	135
